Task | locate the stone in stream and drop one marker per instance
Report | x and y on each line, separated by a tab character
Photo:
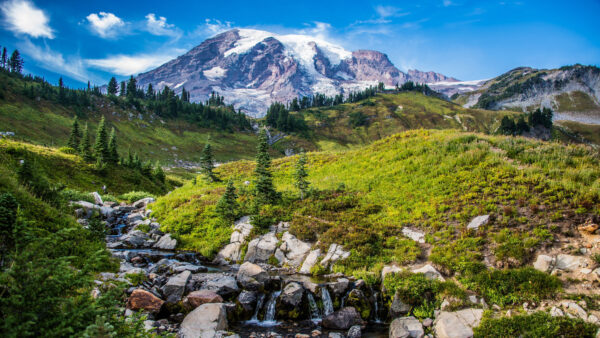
354	332
310	261
251	276
342	319
247	301
136	216
175	286
290	304
339	287
197	298
142	299
204	321
166	243
135	238
143	202
262	248
406	327
458	323
222	284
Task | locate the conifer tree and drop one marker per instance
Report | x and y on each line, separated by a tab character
158	172
101	145
113	153
112	86
4	58
122	88
16	62
264	190
228	207
207	163
75	136
85	146
300	175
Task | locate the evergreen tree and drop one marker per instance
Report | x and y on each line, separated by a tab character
75	136
228	207
85	147
8	220
61	91
4	58
522	126
16	62
113	153
131	88
264	190
207	163
150	92
122	87
507	126
101	145
112	86
300	175
158	172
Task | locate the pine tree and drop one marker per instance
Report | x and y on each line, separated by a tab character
228	207
150	92
131	88
158	172
113	153
101	144
61	90
74	137
122	87
300	175
264	190
112	86
16	62
4	58
206	163
85	146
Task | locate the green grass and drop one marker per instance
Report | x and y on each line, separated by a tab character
433	180
576	101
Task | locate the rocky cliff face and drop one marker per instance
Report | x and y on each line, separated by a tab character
253	68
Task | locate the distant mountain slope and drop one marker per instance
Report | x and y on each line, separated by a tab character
252	68
573	92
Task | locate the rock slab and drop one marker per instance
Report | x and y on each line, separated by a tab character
204	321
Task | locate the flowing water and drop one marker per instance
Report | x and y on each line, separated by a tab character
259	304
315	314
270	313
327	303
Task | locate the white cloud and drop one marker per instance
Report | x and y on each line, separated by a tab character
214	26
105	24
132	64
46	58
321	30
22	17
159	26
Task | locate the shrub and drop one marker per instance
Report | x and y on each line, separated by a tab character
539	324
133	196
462	255
67	150
74	195
420	292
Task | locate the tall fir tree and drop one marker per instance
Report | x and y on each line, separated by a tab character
75	136
112	86
4	58
158	172
85	147
113	153
300	175
207	163
122	89
264	191
227	206
101	145
16	62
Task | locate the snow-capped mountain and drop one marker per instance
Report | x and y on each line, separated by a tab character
253	68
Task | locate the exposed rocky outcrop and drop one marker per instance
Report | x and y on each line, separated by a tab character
457	324
204	321
342	319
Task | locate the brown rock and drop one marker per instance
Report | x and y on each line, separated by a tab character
142	299
589	228
200	297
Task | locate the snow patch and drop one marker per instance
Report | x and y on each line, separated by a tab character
180	84
215	73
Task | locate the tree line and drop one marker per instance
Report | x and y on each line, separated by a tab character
539	117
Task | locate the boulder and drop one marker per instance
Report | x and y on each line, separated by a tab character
310	261
478	221
389	269
136	216
357	299
339	287
221	284
231	252
142	299
335	253
544	263
354	332
97	199
417	236
292	251
197	298
570	263
251	276
143	202
190	267
135	238
289	304
166	243
243	228
430	272
204	321
398	307
175	286
262	248
247	301
457	324
401	326
575	310
342	319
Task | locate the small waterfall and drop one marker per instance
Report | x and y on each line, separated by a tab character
270	313
314	309
343	302
376	307
259	304
327	303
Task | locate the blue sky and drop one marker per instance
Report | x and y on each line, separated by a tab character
93	40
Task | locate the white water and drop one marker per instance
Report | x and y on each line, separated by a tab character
327	303
315	315
259	304
376	307
270	313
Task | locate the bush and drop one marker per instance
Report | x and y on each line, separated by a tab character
539	324
514	286
462	255
67	150
133	196
75	195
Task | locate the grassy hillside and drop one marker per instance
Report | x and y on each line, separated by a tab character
47	123
336	128
436	181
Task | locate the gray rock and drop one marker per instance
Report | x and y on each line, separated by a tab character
430	272
457	324
398	307
175	286
204	321
410	325
166	243
335	335
262	248
291	296
544	263
335	253
221	284
143	202
556	312
251	276
427	322
310	261
247	300
570	263
478	221
135	238
417	236
97	199
354	332
293	251
339	287
136	216
342	319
